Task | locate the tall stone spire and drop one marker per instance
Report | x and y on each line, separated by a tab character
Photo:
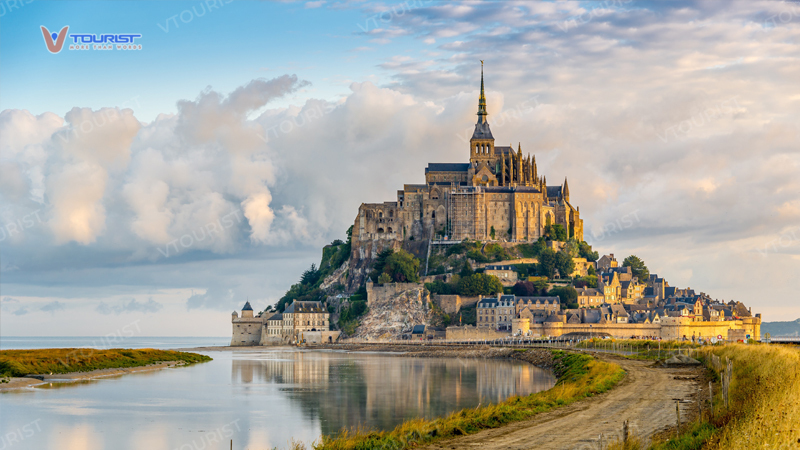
482	131
482	101
565	190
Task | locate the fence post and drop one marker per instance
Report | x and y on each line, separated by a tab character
678	413
625	432
711	396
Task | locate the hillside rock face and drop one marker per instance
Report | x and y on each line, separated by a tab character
390	316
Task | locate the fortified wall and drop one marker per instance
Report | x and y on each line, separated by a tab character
381	293
670	328
470	332
452	304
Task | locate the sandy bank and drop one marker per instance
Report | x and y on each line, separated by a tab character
27	382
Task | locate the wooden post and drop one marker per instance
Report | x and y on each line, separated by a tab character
711	396
678	414
625	432
231	444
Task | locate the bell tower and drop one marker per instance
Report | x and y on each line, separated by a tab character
481	146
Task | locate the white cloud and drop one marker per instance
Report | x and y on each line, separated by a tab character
605	102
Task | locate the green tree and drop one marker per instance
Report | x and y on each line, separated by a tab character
310	276
402	267
379	264
466	270
547	262
384	278
638	268
540	285
479	284
567	294
585	250
564	264
491	232
556	232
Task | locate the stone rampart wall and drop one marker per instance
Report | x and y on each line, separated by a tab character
469	332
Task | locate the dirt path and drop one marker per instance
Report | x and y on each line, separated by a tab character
646	398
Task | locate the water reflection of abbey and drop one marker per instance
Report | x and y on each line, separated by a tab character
379	391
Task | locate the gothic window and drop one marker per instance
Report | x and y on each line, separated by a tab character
433	215
391	213
390	229
380	215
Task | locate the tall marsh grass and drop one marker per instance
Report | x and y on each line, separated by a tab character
17	363
764	409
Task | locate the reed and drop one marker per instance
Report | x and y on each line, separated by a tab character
18	363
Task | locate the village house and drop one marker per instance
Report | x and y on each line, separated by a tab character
506	274
590	298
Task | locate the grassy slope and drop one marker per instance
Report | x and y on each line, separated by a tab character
65	360
580	376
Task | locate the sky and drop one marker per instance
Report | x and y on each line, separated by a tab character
165	186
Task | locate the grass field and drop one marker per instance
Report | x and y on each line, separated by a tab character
579	375
17	363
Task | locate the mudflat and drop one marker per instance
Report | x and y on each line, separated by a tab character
25	382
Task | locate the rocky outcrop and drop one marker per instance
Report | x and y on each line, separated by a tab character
391	315
339	276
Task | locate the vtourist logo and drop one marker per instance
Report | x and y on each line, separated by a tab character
54	41
107	41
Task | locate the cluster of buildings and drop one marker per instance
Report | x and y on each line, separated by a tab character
299	322
621	306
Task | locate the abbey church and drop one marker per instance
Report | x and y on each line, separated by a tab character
498	195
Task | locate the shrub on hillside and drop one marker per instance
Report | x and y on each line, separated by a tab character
479	284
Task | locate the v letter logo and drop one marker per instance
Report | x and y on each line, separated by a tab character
55	41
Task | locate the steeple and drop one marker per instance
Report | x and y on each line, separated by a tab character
565	193
482	130
482	101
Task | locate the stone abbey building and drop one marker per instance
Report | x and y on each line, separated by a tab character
498	195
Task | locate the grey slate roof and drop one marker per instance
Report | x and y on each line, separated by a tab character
530	189
418	329
482	131
553	191
447	167
278	316
502	150
490	302
247	307
304	307
588	291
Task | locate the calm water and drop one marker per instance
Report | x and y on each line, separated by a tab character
260	399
